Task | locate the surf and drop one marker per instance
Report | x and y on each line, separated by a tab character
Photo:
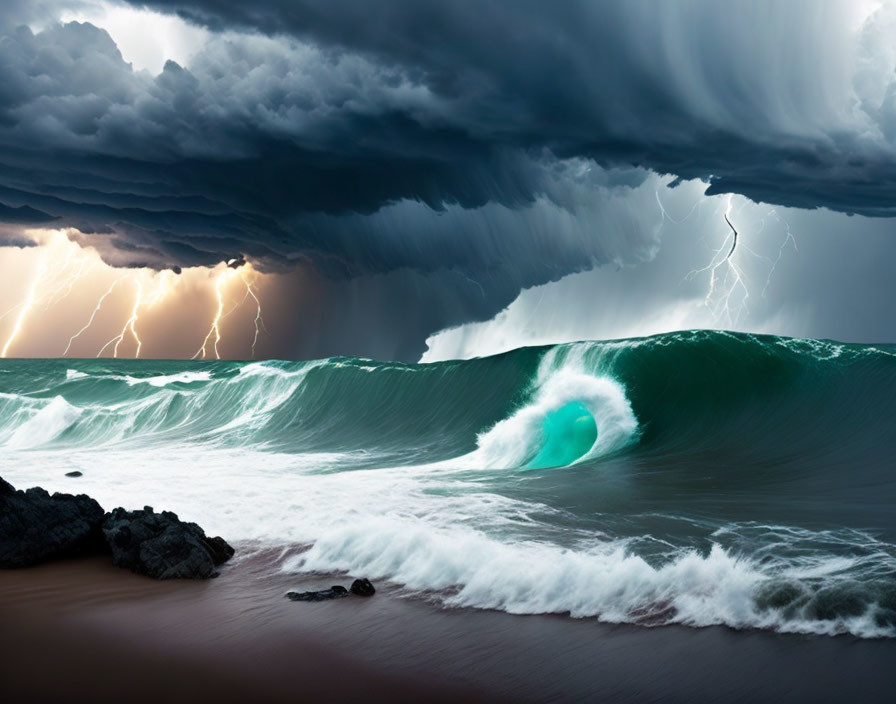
698	477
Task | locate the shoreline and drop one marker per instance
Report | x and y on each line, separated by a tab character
85	628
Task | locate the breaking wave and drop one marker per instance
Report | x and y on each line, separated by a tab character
694	477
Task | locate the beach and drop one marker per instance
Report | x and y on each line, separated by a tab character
82	630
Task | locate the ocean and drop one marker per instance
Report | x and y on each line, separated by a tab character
694	478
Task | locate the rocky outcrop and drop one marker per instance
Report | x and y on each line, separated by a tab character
334	592
360	587
35	526
161	546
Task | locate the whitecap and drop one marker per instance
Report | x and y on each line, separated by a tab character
45	425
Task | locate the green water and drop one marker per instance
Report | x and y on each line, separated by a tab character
568	433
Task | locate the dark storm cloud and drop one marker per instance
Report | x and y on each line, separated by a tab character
269	148
467	149
750	95
349	110
24	215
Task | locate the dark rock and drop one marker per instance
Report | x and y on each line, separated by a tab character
362	587
218	548
334	592
161	546
35	526
76	473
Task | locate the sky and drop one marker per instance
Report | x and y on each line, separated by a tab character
440	179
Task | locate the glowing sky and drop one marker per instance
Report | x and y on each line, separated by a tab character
437	179
67	302
145	39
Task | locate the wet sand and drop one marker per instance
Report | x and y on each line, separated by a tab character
83	630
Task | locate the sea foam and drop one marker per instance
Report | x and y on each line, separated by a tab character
45	425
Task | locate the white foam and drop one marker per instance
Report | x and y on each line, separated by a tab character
515	440
601	581
160	380
432	532
45	425
270	370
822	350
604	581
166	379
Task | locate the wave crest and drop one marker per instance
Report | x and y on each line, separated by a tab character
45	425
566	411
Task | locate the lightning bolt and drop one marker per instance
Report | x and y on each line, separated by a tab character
726	275
234	307
728	220
64	264
25	308
99	304
61	285
726	279
132	322
788	238
668	217
162	288
129	324
63	288
161	291
215	328
58	291
9	310
66	287
259	321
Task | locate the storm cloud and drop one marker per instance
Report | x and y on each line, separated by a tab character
788	103
297	110
481	147
252	150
